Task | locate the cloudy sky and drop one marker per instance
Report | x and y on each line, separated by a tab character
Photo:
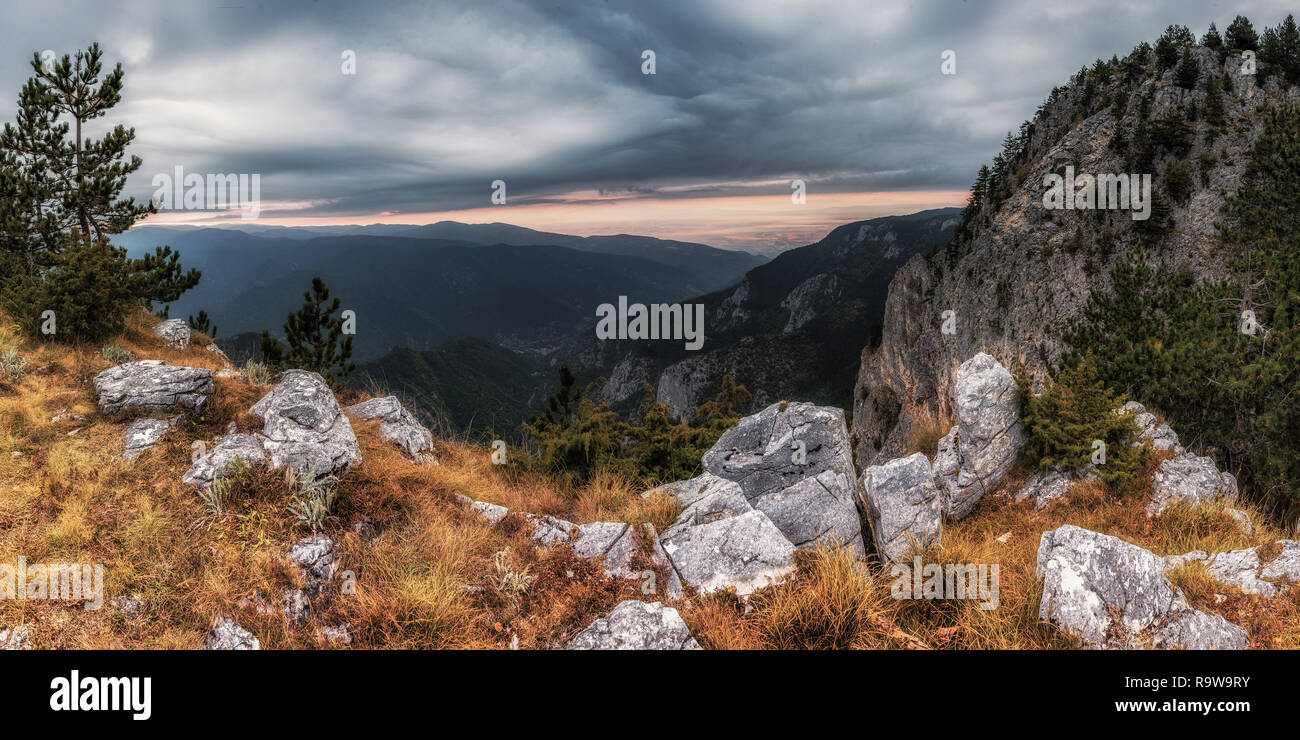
550	97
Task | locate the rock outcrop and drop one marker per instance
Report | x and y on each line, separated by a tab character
904	504
988	434
1113	594
1019	274
1245	569
396	425
304	428
174	332
152	385
636	625
792	462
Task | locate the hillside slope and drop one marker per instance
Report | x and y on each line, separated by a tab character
790	329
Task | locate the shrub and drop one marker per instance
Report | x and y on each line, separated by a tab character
116	354
1064	424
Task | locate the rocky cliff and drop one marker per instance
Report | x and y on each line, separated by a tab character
1018	273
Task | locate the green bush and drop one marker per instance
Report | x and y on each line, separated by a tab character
1075	411
115	354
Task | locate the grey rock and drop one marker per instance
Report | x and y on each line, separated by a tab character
549	531
1242	519
1089	578
1192	629
1238	568
223	455
316	557
152	385
226	635
904	504
1045	486
397	425
688	492
1191	479
493	513
814	502
304	428
175	332
1286	566
296	607
946	465
16	638
1160	435
142	434
745	552
613	542
636	625
335	634
989	434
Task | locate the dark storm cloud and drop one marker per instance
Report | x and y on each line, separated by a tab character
549	96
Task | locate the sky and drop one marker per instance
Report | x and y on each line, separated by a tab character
552	99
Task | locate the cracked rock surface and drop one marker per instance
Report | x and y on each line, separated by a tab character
152	385
792	463
636	625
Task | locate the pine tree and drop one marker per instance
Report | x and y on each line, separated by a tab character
91	173
1212	39
315	338
203	324
1241	35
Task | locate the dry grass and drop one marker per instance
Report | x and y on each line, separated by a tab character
437	576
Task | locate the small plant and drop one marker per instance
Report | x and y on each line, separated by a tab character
216	498
314	499
510	583
257	373
116	354
13	365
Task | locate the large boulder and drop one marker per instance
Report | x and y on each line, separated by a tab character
1113	594
793	463
218	461
722	542
152	385
304	428
989	434
1192	479
636	625
904	504
175	332
396	425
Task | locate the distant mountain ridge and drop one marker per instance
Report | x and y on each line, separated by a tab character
420	292
792	328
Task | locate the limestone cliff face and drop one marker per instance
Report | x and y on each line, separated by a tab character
1020	274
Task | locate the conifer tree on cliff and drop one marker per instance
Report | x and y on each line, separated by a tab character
315	338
